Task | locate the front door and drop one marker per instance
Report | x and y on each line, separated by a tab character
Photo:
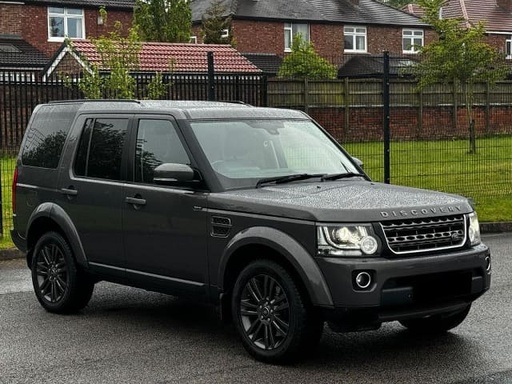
164	227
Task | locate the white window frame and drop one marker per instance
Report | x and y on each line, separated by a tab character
355	31
411	35
193	39
508	47
66	16
290	30
224	33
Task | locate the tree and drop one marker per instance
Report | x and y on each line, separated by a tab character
305	63
459	57
119	57
163	20
216	26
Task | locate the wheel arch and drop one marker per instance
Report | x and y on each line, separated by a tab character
51	217
272	244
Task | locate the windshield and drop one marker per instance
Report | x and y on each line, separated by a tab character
246	151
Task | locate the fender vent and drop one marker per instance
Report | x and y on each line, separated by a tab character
221	226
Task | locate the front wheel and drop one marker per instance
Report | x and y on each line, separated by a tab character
58	284
437	323
271	315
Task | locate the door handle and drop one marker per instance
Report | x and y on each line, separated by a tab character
69	192
136	201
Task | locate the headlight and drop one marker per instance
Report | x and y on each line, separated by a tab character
347	240
474	229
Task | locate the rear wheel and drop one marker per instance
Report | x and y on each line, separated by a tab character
437	323
58	284
271	315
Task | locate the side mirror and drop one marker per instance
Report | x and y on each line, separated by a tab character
359	163
172	174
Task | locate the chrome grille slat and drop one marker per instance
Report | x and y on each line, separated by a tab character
423	235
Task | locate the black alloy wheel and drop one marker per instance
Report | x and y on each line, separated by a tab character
58	284
271	314
265	312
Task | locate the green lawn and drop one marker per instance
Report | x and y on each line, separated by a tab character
444	165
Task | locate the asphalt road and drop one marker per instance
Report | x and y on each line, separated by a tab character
127	335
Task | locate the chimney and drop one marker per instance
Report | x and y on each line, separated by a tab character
505	4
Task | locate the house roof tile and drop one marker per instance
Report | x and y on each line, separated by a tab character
86	3
496	19
185	58
16	53
319	11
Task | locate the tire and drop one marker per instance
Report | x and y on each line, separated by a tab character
271	315
58	284
438	323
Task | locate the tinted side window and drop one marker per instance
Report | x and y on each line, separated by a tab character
46	135
157	143
101	147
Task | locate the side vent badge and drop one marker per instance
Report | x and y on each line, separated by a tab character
221	226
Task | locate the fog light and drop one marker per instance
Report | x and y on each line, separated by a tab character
363	280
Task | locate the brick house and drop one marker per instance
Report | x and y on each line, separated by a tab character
338	29
31	30
496	15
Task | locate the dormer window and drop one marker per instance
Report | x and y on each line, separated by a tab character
65	22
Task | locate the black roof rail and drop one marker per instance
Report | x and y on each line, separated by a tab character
94	101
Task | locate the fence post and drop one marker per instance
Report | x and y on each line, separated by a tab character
211	78
386	101
346	94
306	96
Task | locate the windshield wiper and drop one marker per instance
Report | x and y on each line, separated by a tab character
288	178
337	176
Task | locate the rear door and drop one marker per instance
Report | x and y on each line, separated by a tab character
164	227
92	189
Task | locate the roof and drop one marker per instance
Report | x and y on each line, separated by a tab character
16	52
414	9
87	3
269	63
495	18
311	11
372	66
185	58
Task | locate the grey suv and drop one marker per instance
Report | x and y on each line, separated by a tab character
256	210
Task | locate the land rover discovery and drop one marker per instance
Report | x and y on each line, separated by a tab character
256	210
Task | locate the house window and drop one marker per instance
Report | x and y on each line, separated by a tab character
355	39
65	22
290	30
193	40
412	40
508	47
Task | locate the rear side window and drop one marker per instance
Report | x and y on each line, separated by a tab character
101	148
46	135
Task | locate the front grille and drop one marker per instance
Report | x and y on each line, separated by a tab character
423	235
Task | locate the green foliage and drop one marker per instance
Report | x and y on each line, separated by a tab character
305	63
460	56
215	23
163	20
119	57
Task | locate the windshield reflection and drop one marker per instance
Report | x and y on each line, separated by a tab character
243	152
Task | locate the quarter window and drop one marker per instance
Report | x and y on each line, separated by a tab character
412	40
101	148
65	22
157	143
508	46
291	30
355	39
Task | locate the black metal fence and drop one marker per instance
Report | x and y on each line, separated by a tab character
428	129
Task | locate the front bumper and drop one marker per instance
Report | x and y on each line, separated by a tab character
406	287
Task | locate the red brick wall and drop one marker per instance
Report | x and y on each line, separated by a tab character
10	22
35	25
259	36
